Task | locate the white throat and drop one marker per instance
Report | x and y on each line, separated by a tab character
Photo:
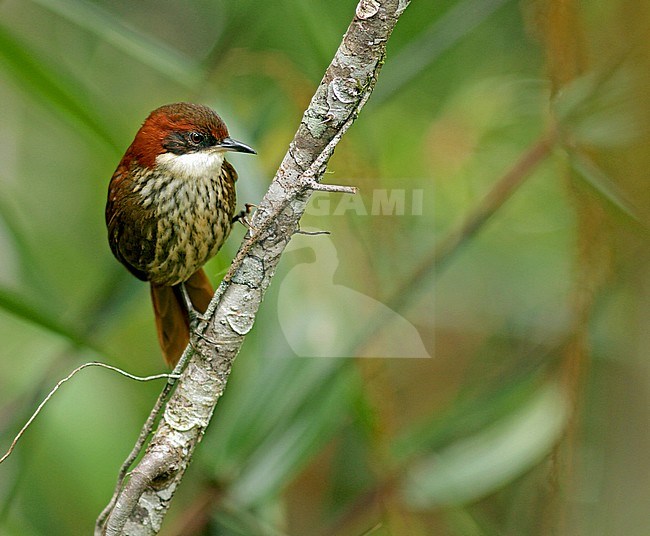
191	166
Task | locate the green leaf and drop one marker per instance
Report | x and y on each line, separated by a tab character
156	54
292	443
318	29
476	466
20	243
601	182
468	415
52	87
600	109
443	33
268	400
18	306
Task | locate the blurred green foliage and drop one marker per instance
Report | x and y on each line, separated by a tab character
530	417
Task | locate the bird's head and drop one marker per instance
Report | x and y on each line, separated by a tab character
183	139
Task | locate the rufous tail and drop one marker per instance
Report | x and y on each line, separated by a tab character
172	320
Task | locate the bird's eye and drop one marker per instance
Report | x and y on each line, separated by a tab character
196	138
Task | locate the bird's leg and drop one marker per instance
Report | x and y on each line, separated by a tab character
194	316
195	319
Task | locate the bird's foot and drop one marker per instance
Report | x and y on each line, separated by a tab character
242	217
196	335
195	317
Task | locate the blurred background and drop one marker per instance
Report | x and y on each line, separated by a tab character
500	240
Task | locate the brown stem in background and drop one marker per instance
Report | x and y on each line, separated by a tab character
453	242
561	31
503	190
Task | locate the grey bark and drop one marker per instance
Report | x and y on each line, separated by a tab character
141	505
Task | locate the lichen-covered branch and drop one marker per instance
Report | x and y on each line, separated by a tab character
142	503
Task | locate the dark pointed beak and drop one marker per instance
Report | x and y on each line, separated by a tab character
228	144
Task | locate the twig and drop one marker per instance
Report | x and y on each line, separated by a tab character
336	188
145	432
61	382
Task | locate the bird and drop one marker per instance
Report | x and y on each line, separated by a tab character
171	205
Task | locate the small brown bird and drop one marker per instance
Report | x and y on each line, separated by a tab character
171	205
